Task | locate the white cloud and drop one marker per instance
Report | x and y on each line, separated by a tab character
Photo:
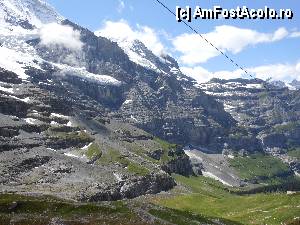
295	34
283	72
193	49
280	34
202	75
227	38
121	31
298	67
61	35
121	6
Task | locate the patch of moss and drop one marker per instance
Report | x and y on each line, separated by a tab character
63	129
166	147
137	169
79	136
142	149
164	144
110	156
113	156
93	151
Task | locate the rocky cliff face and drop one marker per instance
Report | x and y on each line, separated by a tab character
160	100
257	109
57	141
268	119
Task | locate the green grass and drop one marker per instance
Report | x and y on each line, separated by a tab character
93	151
137	169
203	185
185	218
113	156
166	147
259	167
164	144
63	129
211	199
295	153
79	136
142	149
40	210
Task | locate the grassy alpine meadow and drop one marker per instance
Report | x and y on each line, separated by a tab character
210	198
45	210
263	168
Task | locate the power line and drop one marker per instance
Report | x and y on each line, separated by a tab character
214	46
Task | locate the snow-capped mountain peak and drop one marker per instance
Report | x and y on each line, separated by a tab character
27	13
143	56
20	21
140	54
294	85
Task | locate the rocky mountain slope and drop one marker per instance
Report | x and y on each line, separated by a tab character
86	124
86	119
268	117
55	140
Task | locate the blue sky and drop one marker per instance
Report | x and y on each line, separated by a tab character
268	48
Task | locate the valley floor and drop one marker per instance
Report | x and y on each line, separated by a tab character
208	197
196	200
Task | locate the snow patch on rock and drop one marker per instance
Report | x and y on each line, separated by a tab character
59	115
128	101
17	61
26	100
87	146
118	177
84	74
30	121
7	90
210	175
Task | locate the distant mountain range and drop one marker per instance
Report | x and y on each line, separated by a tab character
294	85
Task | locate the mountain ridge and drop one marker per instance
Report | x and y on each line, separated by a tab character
96	118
